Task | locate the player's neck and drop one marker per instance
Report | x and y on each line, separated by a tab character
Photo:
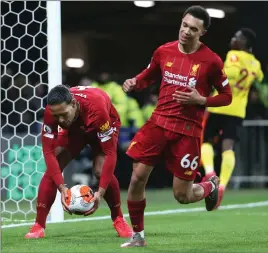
247	50
189	48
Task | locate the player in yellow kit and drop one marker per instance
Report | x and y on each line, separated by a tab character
242	70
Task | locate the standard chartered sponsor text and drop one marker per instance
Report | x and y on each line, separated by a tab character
175	79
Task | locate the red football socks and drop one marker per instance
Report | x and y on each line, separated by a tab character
112	197
136	214
207	186
46	197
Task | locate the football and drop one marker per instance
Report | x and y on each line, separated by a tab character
79	199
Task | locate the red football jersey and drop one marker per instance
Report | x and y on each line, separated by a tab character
202	70
97	115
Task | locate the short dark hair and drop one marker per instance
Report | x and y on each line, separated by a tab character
250	36
199	12
58	95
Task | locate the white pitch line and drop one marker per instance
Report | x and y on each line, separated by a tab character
186	210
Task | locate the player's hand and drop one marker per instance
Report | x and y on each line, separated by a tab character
189	98
129	84
96	199
64	196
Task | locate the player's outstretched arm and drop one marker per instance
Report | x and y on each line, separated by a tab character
49	135
110	155
53	168
108	142
129	84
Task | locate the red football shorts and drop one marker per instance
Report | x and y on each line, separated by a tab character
75	143
181	152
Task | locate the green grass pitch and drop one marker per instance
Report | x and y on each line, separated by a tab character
240	230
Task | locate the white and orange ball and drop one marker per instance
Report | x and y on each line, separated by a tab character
79	199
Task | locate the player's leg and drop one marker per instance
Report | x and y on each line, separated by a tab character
212	128
137	202
112	198
65	152
228	161
145	150
136	195
182	158
186	192
230	135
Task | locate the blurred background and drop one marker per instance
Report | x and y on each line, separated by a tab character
103	43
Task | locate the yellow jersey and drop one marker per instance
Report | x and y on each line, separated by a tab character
242	70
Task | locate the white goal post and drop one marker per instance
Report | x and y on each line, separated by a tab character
31	64
54	75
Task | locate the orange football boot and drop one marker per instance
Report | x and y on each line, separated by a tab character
122	228
35	232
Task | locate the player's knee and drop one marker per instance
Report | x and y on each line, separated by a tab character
138	178
140	174
227	144
182	198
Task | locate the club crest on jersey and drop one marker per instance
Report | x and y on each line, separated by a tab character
194	70
105	126
169	64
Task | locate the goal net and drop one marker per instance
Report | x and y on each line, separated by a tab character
24	86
